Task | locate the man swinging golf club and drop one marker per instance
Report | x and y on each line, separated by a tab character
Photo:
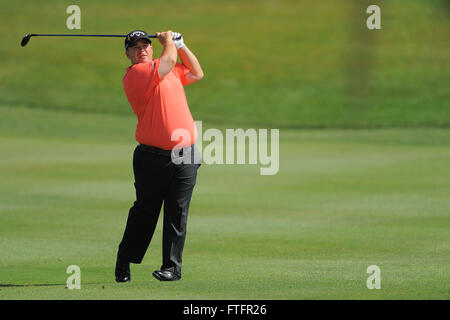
154	89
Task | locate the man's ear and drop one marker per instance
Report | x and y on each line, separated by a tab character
126	53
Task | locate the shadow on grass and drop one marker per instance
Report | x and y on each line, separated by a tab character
38	285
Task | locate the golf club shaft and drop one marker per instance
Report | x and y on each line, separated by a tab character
28	36
81	35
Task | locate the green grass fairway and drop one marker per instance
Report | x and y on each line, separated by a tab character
343	200
364	172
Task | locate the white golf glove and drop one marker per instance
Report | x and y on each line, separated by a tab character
178	40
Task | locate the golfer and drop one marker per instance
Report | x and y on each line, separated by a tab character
154	89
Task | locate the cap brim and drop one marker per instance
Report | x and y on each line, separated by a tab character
131	44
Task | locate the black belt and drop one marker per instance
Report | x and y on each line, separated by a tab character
162	152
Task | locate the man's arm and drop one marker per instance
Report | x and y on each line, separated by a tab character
191	62
188	59
169	54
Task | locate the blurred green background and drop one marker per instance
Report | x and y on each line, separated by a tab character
284	64
364	150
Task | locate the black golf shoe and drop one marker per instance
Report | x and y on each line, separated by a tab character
166	275
122	271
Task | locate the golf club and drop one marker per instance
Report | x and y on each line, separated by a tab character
28	36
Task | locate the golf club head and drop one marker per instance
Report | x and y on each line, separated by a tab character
26	39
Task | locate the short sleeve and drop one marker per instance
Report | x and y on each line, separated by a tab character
182	71
156	79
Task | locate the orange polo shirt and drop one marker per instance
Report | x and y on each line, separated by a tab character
160	105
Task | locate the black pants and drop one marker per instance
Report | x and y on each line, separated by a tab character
158	180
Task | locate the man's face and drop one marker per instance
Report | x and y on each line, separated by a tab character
141	52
